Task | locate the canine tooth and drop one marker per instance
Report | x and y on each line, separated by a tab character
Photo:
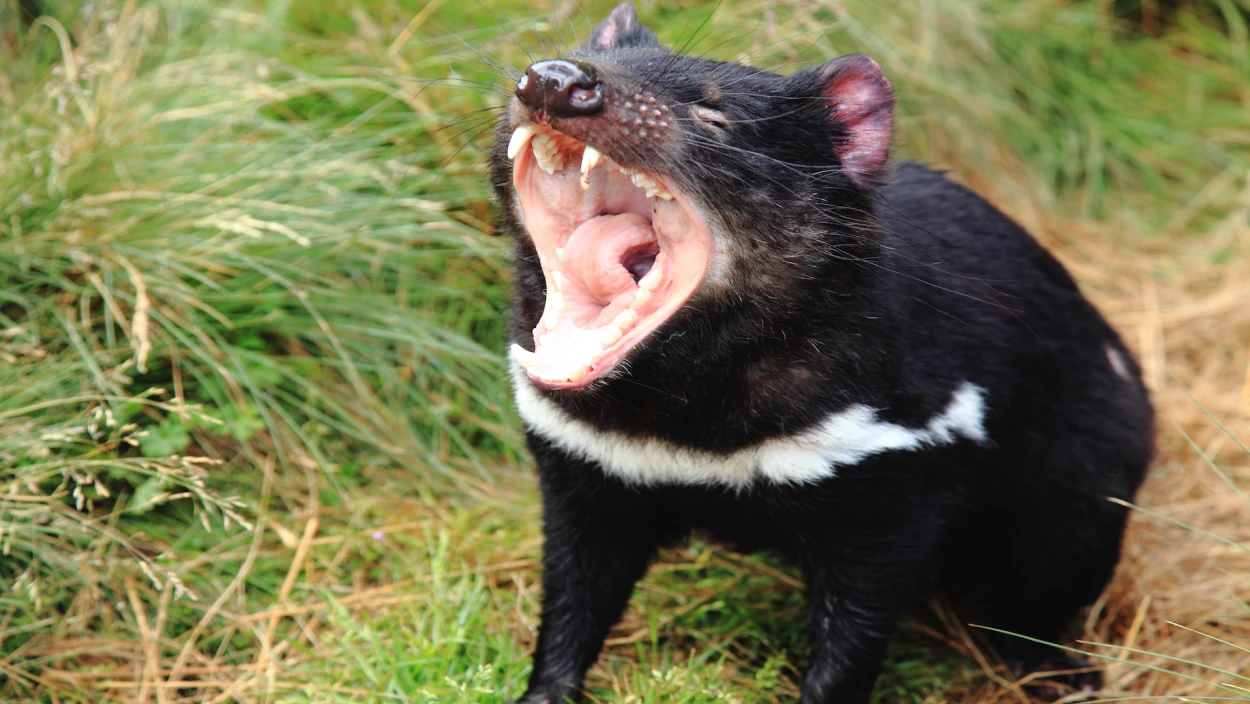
547	153
559	252
625	319
578	374
523	357
521	137
590	159
641	298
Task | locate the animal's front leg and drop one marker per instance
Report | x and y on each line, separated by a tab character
859	580
599	535
849	632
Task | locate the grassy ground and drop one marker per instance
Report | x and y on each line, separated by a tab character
254	437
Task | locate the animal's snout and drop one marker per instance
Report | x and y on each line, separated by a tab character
563	88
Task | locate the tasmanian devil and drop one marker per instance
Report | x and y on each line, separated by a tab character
732	314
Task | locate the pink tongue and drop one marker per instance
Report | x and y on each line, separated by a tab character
592	256
596	288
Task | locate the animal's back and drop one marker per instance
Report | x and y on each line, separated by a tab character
984	301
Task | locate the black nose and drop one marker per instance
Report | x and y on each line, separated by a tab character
564	88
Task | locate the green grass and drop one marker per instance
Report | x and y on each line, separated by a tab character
246	280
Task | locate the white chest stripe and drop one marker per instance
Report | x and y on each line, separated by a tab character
843	438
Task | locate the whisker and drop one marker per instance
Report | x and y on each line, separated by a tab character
679	53
507	28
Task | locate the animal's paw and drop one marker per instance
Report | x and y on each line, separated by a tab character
559	691
1059	677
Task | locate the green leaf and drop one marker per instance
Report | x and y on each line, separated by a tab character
168	438
144	499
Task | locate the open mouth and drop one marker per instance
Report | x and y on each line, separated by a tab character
621	251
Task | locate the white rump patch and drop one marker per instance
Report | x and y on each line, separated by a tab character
843	438
1118	364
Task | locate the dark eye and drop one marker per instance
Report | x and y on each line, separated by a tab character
710	118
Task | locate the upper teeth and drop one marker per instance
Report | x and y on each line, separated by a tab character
590	159
520	138
649	185
547	153
550	158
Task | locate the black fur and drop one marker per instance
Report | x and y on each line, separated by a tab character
888	294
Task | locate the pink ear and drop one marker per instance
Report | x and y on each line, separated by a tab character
863	105
620	29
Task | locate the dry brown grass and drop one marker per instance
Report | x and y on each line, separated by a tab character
1185	578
